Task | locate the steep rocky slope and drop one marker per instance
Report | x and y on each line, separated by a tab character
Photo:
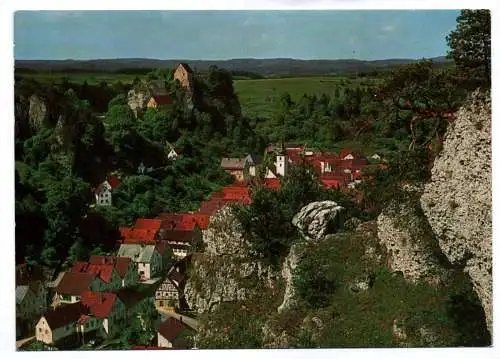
226	271
457	200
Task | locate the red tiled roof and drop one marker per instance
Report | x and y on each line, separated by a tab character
120	263
329	183
64	315
75	283
148	223
103	271
184	221
113	181
99	304
171	328
272	183
139	233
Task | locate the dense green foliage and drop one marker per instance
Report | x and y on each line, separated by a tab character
470	46
64	151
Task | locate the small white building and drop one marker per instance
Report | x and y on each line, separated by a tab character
103	193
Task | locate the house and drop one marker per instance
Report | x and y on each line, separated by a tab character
146	256
59	323
104	191
73	284
184	74
173	333
376	157
167	295
181	241
159	101
125	267
106	272
106	308
238	167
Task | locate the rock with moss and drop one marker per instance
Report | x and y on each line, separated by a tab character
457	200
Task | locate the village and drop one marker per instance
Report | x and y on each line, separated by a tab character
95	299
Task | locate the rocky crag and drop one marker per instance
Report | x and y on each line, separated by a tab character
226	271
457	200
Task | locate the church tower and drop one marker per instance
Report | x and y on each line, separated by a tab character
281	161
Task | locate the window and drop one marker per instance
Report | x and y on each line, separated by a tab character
161	303
46	332
39	330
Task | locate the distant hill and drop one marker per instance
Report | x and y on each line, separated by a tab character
261	67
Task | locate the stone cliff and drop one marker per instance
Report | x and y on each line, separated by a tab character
457	200
226	271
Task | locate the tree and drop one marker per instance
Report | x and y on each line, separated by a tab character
470	45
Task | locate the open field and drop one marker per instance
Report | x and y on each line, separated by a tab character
259	97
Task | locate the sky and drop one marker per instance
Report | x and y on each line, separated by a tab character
212	35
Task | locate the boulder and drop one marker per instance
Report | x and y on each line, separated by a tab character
318	219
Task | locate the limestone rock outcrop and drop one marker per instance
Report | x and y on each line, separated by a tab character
314	221
318	219
137	100
410	243
37	112
457	201
226	271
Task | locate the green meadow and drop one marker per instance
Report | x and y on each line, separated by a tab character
259	97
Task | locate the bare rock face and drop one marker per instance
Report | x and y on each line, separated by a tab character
410	243
290	263
225	272
137	100
224	235
457	200
37	112
318	219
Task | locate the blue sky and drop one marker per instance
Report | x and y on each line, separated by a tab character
193	35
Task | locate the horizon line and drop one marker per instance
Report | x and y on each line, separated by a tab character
233	58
